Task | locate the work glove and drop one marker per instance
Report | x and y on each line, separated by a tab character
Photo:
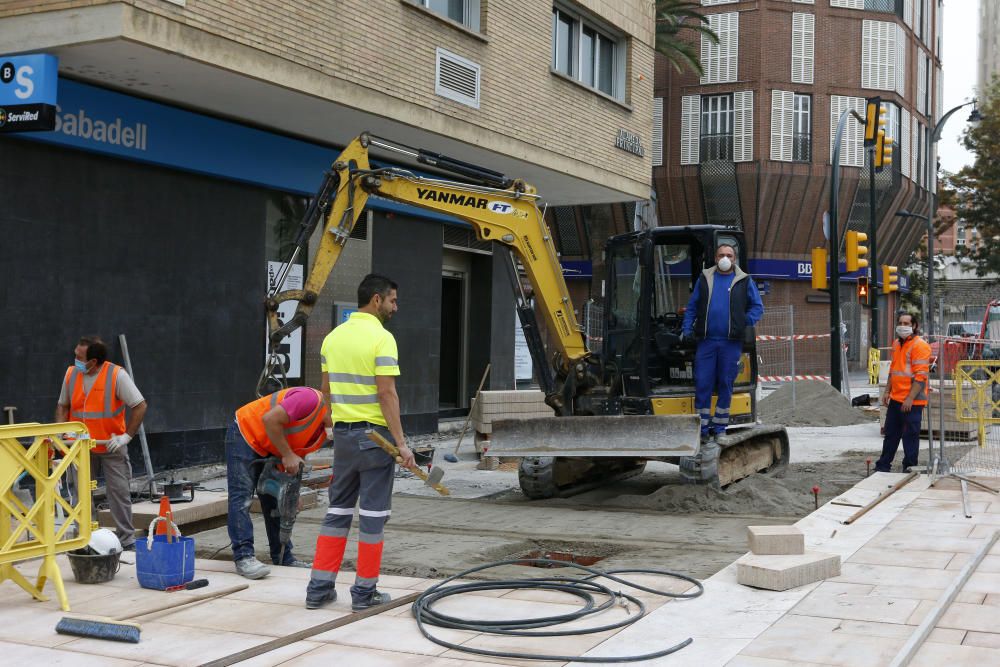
116	442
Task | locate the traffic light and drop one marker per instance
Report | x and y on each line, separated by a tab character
890	278
874	119
863	290
883	151
819	268
856	251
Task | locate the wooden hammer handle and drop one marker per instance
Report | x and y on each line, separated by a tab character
392	451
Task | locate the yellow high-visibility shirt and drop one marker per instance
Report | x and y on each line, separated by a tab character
353	354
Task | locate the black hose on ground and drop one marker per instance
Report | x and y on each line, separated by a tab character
582	587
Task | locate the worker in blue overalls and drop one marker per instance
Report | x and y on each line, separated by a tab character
725	301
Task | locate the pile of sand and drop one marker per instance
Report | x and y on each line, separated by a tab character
816	404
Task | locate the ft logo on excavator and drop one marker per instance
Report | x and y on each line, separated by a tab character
500	207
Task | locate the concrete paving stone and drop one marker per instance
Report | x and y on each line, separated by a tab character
338	654
896	630
828	588
858	608
406	636
826	644
919	514
702	651
961	616
257	618
783	572
956	494
751	661
992	599
774	540
206	505
935	655
941	528
894	575
950	505
983	531
914	558
30	654
912	593
280	656
921	541
28	622
173	645
983	639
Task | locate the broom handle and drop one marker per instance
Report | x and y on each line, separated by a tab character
180	603
472	407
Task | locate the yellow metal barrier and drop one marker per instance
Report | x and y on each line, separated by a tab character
30	532
978	378
874	357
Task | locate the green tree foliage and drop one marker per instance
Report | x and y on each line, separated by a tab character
977	187
677	21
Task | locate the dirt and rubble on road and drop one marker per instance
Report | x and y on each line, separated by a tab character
810	403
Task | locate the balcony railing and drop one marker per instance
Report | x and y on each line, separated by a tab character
888	6
801	148
716	147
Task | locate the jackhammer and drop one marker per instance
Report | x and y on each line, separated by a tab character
284	488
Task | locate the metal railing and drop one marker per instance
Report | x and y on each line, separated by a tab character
716	147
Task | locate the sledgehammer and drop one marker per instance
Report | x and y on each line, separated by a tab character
433	480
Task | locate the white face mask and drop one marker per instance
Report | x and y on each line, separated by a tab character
725	263
903	331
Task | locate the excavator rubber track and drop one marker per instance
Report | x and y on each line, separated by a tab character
762	448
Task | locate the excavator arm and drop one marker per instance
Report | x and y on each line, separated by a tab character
501	210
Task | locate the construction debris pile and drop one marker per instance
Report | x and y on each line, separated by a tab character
815	403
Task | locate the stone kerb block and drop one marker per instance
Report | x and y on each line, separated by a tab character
779	573
776	540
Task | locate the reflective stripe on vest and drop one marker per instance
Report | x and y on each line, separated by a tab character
303	435
100	408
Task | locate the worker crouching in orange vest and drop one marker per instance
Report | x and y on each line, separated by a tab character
905	394
287	424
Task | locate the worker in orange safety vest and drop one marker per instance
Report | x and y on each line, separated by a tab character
97	392
905	394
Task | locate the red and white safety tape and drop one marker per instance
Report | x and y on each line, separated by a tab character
795	337
790	378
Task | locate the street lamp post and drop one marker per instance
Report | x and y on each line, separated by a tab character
932	139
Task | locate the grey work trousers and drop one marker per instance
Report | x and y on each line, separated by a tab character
117	471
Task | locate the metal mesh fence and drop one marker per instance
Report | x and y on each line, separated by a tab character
793	345
593	325
962	419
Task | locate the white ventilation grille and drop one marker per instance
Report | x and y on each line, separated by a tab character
901	43
848	4
457	78
921	82
851	153
914	149
690	129
803	38
908	13
878	55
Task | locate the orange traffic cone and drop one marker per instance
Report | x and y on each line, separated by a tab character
167	513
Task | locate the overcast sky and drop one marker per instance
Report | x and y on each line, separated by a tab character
959	59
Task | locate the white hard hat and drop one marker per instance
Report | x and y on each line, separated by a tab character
104	541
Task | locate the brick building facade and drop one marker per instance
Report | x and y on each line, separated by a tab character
750	142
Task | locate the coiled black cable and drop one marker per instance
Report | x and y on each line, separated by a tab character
582	587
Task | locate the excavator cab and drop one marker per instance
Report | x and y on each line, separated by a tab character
651	275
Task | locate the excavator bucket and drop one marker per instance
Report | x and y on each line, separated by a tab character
639	436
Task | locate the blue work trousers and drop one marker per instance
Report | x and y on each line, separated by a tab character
716	364
243	468
900	425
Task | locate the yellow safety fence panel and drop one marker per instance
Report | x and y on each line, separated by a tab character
32	531
974	383
874	357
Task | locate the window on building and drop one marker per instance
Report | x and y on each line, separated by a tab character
721	60
591	55
880	60
960	234
848	4
851	153
465	12
717	127
802	129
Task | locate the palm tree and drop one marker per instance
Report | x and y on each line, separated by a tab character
673	17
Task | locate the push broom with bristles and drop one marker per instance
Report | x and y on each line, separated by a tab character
119	629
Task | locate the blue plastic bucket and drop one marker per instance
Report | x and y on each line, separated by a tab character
166	564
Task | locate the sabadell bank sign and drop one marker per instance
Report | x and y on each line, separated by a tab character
115	132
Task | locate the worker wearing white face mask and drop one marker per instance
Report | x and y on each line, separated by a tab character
724	303
905	394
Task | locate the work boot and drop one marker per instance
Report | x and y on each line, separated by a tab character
375	599
295	562
251	568
706	438
315	600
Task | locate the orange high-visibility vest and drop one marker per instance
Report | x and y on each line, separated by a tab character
304	435
911	361
100	409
